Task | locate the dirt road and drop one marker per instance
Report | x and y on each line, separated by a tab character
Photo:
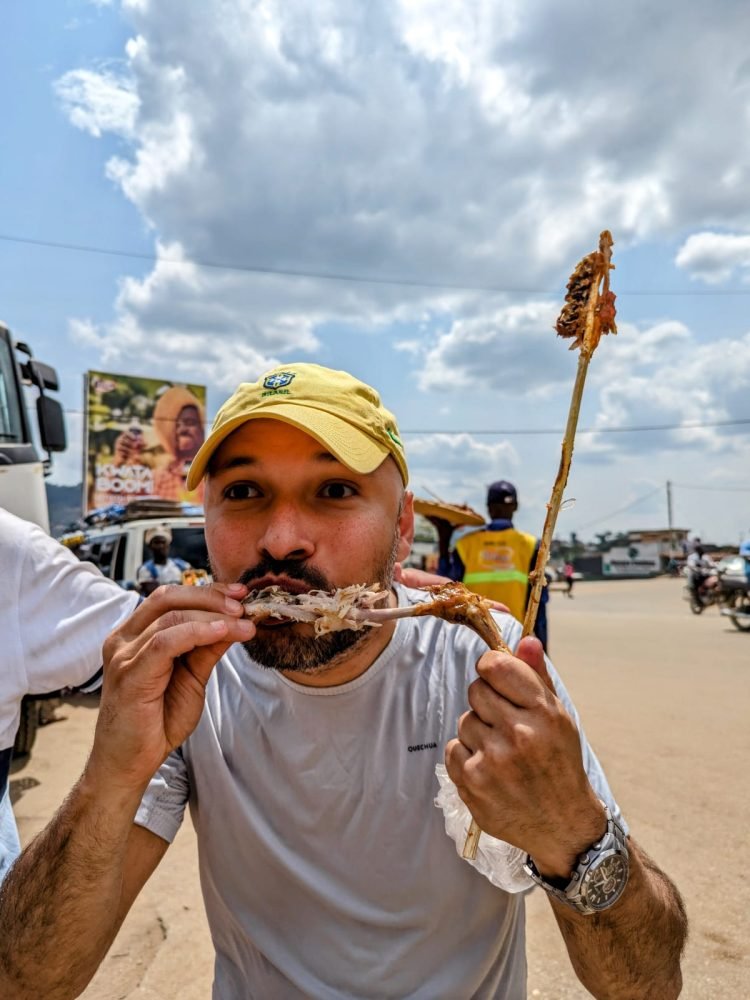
665	699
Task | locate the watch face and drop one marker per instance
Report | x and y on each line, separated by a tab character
605	883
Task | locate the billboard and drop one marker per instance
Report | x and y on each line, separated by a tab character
642	559
141	435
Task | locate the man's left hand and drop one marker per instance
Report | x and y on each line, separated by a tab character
517	762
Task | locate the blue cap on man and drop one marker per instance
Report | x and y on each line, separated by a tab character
502	492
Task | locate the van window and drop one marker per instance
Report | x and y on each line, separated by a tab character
103	553
188	544
118	572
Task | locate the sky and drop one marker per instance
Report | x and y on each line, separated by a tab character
402	189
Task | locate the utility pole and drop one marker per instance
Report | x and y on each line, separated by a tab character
670	521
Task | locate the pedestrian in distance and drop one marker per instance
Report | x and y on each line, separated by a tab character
569	577
309	762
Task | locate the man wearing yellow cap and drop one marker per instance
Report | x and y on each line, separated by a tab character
309	763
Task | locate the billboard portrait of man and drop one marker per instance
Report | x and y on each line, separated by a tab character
179	421
141	436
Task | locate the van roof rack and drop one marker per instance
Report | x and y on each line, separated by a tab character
146	507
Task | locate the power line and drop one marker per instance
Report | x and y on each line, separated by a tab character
275	271
715	489
478	432
620	510
594	430
345	276
647	496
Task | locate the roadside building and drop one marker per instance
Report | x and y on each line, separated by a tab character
645	553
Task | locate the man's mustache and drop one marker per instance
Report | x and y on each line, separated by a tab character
291	568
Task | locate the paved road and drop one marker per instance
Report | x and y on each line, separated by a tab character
665	698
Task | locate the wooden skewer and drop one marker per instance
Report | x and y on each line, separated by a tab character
586	323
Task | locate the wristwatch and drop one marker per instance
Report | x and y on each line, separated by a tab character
599	877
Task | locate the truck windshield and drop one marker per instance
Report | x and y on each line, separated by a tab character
11	425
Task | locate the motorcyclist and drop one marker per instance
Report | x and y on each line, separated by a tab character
701	570
745	553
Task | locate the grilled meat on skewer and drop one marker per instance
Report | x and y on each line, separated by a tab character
355	608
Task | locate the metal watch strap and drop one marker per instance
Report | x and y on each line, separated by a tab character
613	841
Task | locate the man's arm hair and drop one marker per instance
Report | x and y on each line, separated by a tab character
631	951
66	896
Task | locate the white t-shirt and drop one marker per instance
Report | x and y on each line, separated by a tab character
55	613
161	573
699	565
325	866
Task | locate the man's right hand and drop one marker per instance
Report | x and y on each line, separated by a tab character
156	667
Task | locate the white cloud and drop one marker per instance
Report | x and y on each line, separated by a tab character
478	145
513	349
425	140
714	257
85	333
698	384
99	101
195	329
458	467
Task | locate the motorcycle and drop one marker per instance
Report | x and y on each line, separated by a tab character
736	605
732	597
703	594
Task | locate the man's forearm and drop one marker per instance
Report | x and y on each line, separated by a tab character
60	903
632	951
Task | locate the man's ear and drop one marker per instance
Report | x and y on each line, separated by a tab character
405	527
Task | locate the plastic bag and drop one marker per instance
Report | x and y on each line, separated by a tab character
499	862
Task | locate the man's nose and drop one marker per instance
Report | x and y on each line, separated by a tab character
286	535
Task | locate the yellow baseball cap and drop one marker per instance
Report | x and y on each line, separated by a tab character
335	408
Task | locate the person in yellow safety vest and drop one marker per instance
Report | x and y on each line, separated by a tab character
495	561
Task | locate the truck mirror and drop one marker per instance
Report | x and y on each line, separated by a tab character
51	424
41	375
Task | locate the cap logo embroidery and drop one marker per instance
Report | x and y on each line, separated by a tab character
278	380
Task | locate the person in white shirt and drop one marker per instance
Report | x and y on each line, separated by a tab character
701	570
55	613
161	569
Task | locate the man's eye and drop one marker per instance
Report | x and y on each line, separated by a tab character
241	491
337	491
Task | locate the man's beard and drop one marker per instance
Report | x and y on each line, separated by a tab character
280	647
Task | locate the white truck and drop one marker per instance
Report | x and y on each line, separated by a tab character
22	469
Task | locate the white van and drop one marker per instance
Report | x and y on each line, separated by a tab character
115	541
